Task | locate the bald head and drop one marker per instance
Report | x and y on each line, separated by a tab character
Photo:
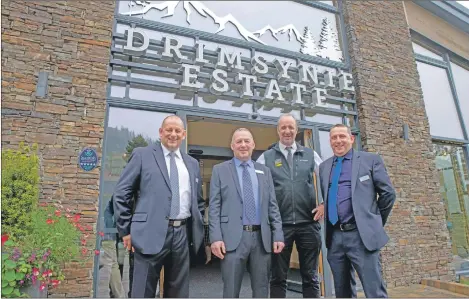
242	144
287	128
174	118
172	132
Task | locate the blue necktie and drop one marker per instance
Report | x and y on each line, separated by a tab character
248	193
332	202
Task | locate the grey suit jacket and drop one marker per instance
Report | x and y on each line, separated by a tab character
146	175
372	197
226	207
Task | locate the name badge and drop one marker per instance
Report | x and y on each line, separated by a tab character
196	180
364	178
278	162
259	171
303	160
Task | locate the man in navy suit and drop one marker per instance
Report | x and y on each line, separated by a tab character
169	204
358	197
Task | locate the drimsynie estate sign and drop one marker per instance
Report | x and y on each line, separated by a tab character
226	72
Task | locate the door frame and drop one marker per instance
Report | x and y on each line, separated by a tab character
326	276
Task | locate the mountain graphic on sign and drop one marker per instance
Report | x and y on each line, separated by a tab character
291	29
327	47
200	8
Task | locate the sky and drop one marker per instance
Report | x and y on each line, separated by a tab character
465	3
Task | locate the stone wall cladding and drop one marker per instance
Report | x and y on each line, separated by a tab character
71	41
388	96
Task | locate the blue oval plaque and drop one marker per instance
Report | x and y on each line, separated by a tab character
88	159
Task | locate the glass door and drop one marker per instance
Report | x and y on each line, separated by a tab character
126	129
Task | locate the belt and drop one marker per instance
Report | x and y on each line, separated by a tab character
251	228
345	227
177	223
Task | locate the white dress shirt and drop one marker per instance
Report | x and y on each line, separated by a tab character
184	182
283	149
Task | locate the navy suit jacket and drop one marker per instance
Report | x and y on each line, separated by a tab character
373	197
146	176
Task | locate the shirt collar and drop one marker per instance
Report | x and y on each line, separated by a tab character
238	162
283	147
167	151
347	156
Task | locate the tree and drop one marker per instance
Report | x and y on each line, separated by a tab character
328	42
137	141
308	44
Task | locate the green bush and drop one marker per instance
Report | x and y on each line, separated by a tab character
54	231
20	189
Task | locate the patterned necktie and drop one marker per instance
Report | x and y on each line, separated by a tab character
174	179
290	159
249	201
332	202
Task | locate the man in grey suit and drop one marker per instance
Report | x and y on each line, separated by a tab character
168	209
244	219
358	197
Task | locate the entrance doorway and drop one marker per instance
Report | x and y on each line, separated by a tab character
208	141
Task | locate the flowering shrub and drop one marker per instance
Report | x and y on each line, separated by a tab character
23	268
55	237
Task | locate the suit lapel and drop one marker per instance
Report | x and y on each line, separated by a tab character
185	158
234	174
159	157
355	167
260	181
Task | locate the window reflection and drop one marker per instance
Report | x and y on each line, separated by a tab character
454	182
461	78
126	130
326	150
418	49
439	102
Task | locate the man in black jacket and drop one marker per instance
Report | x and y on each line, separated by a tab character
292	167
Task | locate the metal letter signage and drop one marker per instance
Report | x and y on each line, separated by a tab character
140	35
279	81
88	159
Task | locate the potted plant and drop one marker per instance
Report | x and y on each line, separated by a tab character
26	272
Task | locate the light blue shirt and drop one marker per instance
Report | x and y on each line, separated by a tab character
255	188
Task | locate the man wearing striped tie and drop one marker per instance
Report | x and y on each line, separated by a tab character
244	220
358	197
168	208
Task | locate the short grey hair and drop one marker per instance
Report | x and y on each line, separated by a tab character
287	115
341	126
241	130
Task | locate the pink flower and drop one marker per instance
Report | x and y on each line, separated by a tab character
84	251
35	271
42	287
97	252
57	213
55	283
49	221
101	234
47	273
76	218
83	242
